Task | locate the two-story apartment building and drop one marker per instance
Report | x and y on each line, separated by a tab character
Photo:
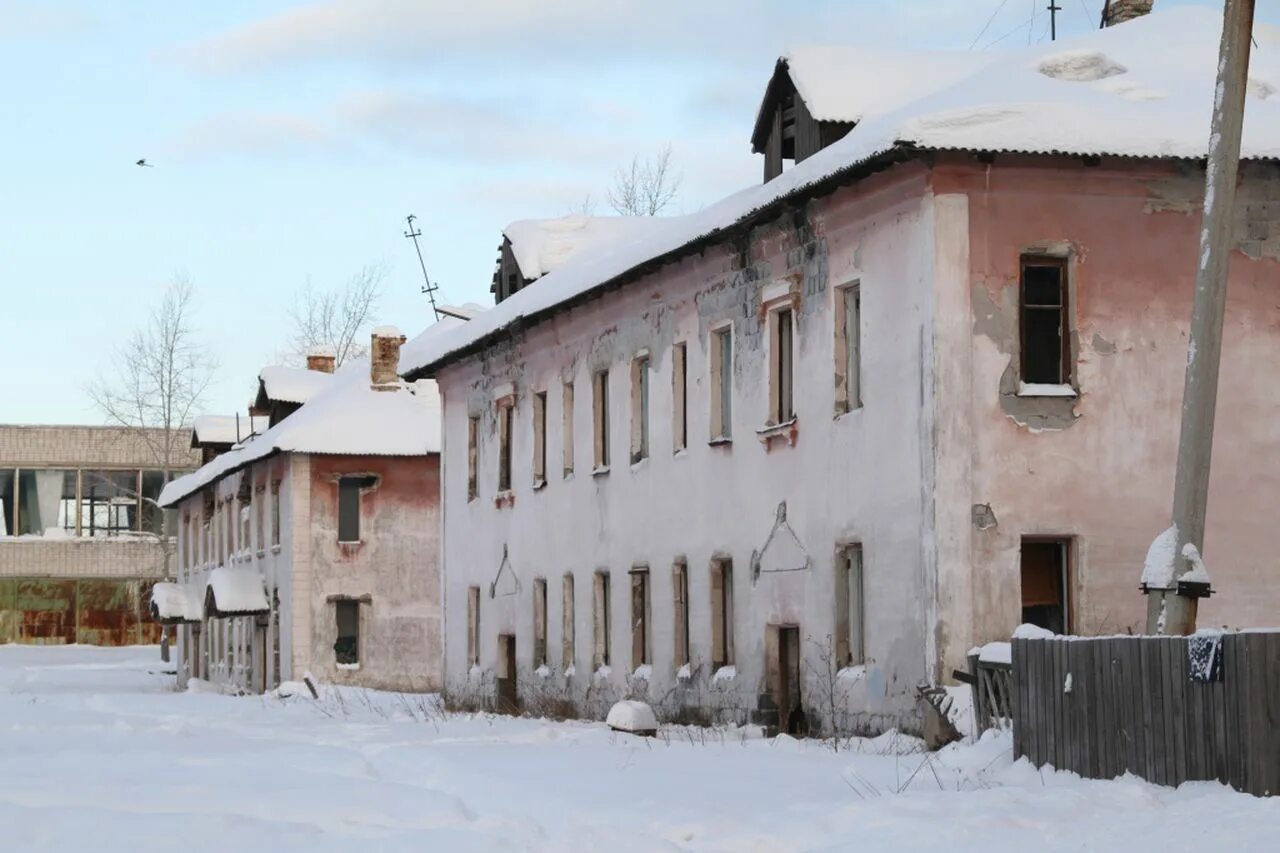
82	538
792	455
314	546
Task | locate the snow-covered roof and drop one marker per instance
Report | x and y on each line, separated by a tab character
172	603
1068	97
543	245
292	384
348	416
238	589
225	429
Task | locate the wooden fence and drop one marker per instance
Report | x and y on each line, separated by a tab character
1105	706
992	685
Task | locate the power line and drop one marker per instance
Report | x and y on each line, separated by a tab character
987	25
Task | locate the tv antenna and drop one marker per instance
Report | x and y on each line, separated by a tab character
429	289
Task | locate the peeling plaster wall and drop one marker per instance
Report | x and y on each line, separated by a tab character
859	477
1100	468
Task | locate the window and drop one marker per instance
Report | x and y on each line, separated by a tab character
346	650
539	622
566	623
721	612
600	622
349	489
228	529
153	517
848	348
539	438
781	398
680	592
850	609
600	412
275	513
679	397
567	428
244	508
506	410
722	383
8	502
639	408
639	616
473	626
1046	345
1045	589
108	501
259	505
473	441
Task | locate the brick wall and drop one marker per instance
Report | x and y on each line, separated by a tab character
81	558
87	446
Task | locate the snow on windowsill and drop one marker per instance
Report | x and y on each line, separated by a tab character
856	672
640	464
570	671
721	440
543	671
684	673
348	666
1041	389
725	673
599	470
603	672
539	484
643	672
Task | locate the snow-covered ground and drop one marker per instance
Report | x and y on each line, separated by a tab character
98	752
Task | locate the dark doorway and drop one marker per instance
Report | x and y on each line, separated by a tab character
508	700
1045	587
782	668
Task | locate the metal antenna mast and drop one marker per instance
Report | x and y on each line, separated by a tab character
429	289
1054	9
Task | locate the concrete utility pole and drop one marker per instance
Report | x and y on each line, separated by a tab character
1200	392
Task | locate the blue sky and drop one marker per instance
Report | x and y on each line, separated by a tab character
290	139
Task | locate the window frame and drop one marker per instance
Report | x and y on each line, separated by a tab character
680	619
641	367
848	347
539	406
351	489
473	626
721	586
505	411
352	606
851	605
601	619
679	396
540	658
782	334
473	457
566	416
641	621
1065	367
600	420
721	382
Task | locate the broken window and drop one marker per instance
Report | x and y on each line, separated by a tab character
679	397
349	489
781	397
8	506
506	410
567	428
680	592
539	622
473	626
848	349
850	609
473	451
46	501
600	412
566	623
108	500
539	438
1045	589
153	517
639	616
346	650
721	612
722	383
275	513
600	622
639	408
1045	341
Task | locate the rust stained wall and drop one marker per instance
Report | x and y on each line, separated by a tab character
1102	470
396	566
93	612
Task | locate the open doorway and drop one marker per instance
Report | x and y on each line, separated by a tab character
782	672
508	700
1046	569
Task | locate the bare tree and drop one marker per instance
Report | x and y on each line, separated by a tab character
647	187
585	207
337	317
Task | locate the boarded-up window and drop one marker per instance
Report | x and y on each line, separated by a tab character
473	626
721	612
1045	339
680	628
275	512
347	648
539	622
639	408
680	397
1045	588
848	349
539	438
600	415
473	457
722	383
349	489
639	616
600	620
567	428
850	607
566	624
781	356
506	411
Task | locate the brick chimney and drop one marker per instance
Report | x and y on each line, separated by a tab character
1119	11
384	358
322	358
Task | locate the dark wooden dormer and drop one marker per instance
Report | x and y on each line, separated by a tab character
507	276
785	131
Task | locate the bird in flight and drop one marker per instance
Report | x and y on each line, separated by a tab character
143	162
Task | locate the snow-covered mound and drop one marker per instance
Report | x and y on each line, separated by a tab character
633	717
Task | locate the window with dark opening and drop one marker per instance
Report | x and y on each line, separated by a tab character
639	408
680	396
539	438
1045	339
601	620
721	612
600	416
639	616
680	592
850	610
505	415
473	451
781	384
346	650
349	506
1045	598
539	622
